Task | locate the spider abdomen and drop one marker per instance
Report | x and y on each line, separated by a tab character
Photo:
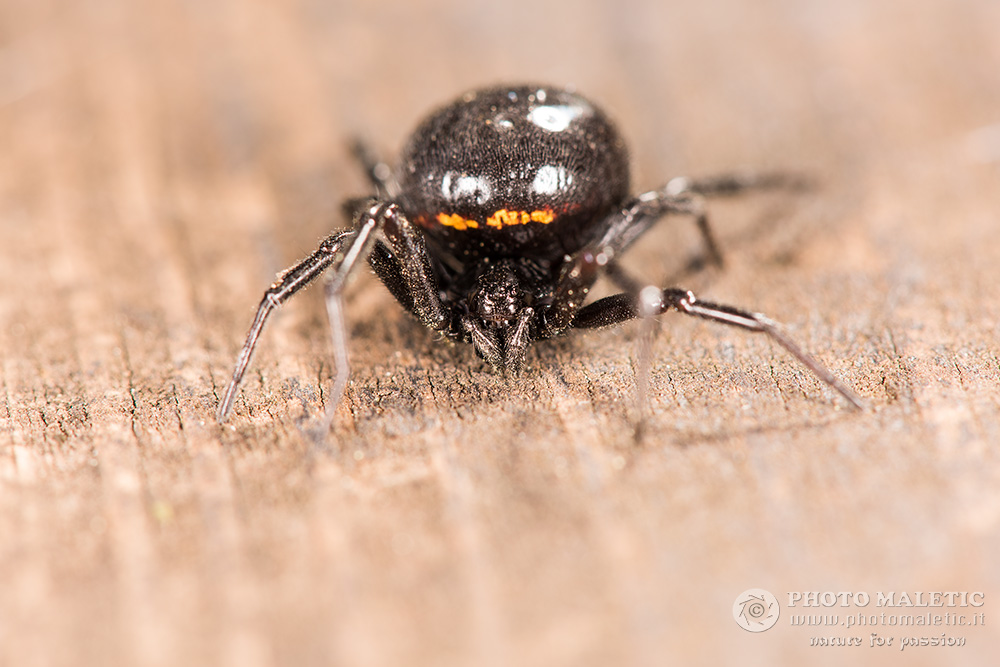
523	171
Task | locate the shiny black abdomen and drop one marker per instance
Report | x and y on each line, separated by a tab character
522	172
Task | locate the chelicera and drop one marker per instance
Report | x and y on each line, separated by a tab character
507	205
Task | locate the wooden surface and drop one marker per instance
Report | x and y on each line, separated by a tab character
161	161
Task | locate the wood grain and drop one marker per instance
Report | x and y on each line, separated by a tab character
161	161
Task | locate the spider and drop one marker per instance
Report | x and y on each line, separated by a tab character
507	206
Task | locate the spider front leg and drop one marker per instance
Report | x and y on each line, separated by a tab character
342	249
622	307
401	262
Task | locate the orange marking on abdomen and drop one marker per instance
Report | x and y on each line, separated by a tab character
456	221
505	218
500	219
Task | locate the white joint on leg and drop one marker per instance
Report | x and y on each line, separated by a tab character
678	186
650	301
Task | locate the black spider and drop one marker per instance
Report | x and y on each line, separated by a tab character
507	206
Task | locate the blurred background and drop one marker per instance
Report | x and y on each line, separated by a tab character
161	160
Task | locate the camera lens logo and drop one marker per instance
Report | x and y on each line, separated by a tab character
756	610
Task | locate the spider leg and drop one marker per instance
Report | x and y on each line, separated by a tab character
627	224
647	301
622	307
737	183
401	262
685	196
343	249
378	172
